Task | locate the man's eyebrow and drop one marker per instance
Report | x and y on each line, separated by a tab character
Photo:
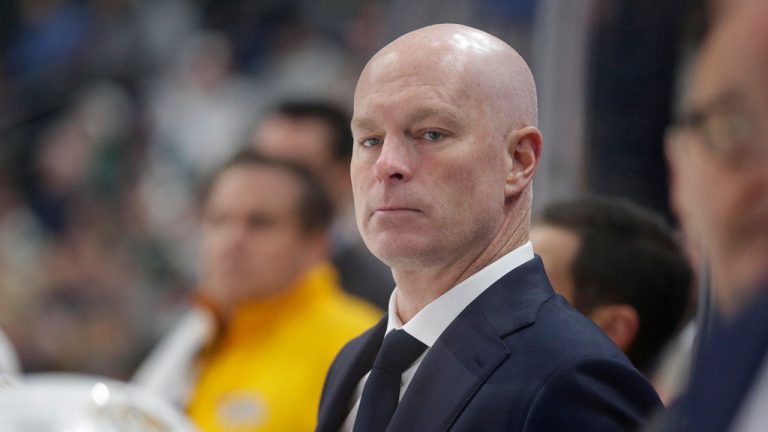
726	99
414	116
427	112
363	123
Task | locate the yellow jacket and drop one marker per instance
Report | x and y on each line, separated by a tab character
266	370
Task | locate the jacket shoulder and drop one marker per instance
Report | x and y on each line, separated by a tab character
584	381
592	394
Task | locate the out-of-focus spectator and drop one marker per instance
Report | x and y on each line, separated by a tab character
721	201
202	111
51	35
73	293
270	316
317	135
619	265
718	153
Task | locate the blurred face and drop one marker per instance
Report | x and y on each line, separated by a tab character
557	248
305	140
253	243
428	167
719	161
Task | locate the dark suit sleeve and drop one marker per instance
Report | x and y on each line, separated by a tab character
329	376
592	395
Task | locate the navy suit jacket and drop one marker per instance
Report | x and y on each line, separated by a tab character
518	358
727	365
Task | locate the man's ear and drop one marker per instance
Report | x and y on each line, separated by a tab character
523	151
619	321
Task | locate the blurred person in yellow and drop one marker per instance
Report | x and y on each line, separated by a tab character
270	315
718	153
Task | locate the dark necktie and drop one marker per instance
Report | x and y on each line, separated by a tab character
381	392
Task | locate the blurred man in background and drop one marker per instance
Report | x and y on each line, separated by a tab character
317	135
718	153
270	315
619	265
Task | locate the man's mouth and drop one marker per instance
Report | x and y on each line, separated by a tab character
395	209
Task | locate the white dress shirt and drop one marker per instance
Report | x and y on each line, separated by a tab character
430	322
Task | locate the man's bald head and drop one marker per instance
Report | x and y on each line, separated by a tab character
487	68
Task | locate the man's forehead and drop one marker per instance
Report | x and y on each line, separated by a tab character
415	95
476	71
256	176
417	67
734	57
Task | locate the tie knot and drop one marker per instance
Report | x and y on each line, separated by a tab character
398	351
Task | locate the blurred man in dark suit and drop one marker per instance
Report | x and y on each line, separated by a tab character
718	153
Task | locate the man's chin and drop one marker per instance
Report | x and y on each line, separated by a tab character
403	254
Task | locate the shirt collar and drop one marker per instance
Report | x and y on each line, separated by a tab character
430	322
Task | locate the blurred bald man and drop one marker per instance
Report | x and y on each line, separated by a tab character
445	149
718	152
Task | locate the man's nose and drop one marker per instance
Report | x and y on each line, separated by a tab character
232	237
395	160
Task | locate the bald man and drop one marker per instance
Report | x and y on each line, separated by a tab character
718	151
445	149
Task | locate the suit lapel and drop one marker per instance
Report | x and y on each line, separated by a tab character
354	361
449	375
470	349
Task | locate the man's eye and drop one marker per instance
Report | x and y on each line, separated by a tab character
432	135
260	221
370	142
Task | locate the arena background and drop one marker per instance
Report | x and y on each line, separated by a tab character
113	111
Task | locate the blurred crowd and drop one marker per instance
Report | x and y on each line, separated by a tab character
114	112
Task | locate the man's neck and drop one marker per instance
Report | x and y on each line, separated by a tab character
418	287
